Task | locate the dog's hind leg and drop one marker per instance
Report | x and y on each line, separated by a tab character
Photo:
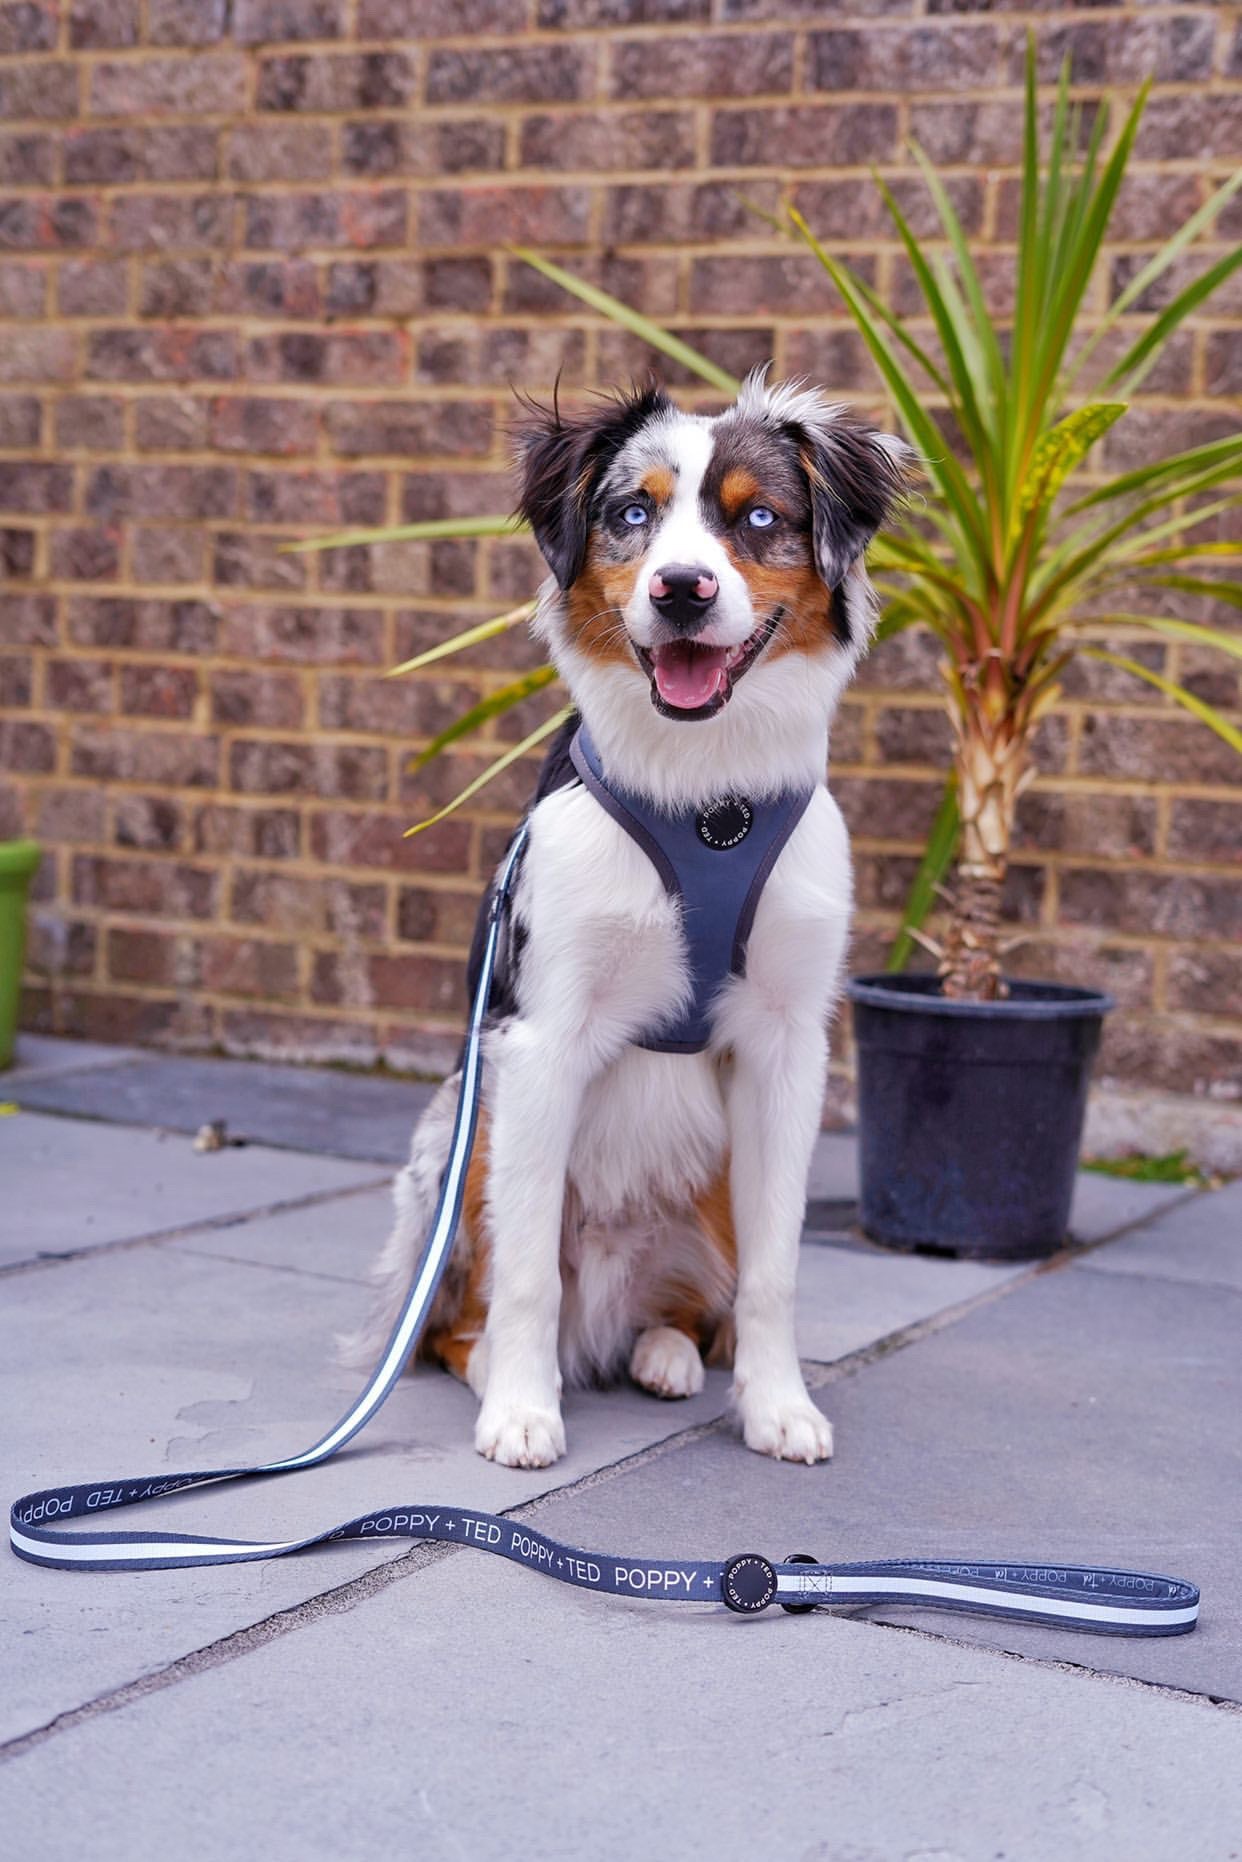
693	1299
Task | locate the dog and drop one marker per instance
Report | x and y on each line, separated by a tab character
656	1057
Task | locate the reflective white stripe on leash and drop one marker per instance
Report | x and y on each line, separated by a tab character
1073	1596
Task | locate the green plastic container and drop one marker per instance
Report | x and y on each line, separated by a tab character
18	860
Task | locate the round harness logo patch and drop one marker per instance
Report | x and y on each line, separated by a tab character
725	824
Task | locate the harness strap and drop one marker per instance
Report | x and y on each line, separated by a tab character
1077	1597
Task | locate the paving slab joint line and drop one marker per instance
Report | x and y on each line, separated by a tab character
241	1141
208	1225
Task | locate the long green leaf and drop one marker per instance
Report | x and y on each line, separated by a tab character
493	769
632	320
470	637
429	530
1062	448
487	708
1230	592
1207	714
1191	631
1175	467
937	858
1142	354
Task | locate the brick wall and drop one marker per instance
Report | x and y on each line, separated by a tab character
253	285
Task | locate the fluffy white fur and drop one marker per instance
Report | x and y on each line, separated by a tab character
598	1147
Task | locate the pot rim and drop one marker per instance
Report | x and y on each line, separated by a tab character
903	994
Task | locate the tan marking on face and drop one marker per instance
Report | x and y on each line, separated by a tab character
738	488
593	609
805	625
659	483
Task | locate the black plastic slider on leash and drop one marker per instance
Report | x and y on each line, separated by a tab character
1127	1603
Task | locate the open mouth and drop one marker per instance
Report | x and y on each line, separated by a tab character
690	679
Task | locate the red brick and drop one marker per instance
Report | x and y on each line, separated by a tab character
362	428
161	492
434	984
177	288
119	157
336	81
554	73
148	626
175	1022
155	957
259	22
358	218
92	288
753	286
248	559
280	152
253	425
35	489
1184	1060
160	888
155	823
381	147
622	357
358	358
174	759
158	691
278	767
660	139
170	423
212	83
434	19
93	422
28	620
162	555
28	748
27	160
16	683
187	22
23	289
705	65
104	25
1178	49
258	699
249	967
176	353
283	903
45	88
304	636
408	707
268	288
59	947
21	420
367	838
28	27
314	498
46	354
1206	981
35	223
1205	830
1153	904
488	216
92	555
805	135
251	833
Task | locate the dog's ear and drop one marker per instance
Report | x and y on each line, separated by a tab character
856	475
563	458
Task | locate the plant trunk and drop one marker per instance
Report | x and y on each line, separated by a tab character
991	773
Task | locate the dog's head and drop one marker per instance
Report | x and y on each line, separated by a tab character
693	553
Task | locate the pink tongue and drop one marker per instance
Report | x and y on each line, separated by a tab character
688	676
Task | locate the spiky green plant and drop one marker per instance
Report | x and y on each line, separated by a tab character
1017	555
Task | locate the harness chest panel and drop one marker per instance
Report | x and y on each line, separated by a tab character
715	862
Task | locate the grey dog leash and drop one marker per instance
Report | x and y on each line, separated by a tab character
1126	1603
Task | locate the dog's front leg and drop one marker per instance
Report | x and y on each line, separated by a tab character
534	1112
775	1100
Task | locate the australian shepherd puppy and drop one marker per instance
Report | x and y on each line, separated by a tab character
629	1208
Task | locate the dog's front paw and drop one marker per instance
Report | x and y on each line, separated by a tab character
520	1437
667	1362
790	1431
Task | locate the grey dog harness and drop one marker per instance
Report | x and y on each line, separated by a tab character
715	862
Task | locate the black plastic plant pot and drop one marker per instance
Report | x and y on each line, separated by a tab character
970	1114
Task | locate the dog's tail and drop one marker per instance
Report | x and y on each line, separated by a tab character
415	1190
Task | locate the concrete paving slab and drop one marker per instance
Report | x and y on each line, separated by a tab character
1201	1241
1103	1206
151	1360
70	1184
42	1056
1081	1417
339	1237
316	1109
474	1710
848	1298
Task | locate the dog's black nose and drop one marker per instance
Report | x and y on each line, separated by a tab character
682	593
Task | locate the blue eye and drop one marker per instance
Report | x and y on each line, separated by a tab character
634	515
761	518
